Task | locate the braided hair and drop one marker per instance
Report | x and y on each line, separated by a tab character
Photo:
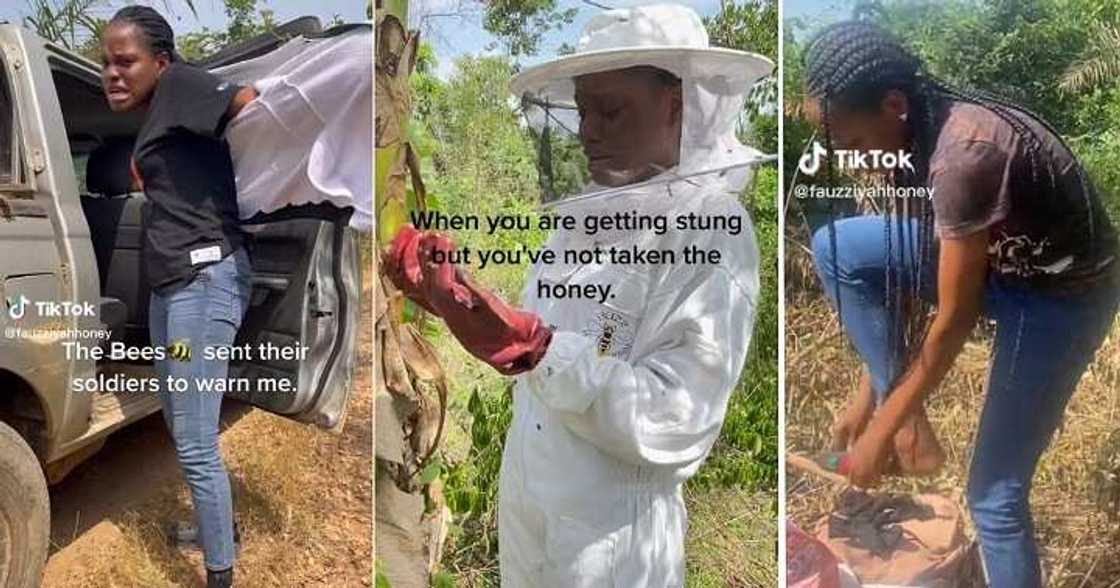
853	64
154	30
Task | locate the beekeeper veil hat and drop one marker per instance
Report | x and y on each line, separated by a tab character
715	81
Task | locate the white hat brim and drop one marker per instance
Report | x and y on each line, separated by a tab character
737	66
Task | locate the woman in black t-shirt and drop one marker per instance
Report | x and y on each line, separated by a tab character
194	249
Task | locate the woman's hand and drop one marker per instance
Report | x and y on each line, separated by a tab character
868	457
851	423
962	269
242	98
916	448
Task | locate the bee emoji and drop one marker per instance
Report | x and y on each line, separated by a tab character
605	339
179	351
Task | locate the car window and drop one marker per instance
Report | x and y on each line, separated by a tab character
80	161
8	168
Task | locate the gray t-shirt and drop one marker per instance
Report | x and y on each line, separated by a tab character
1047	237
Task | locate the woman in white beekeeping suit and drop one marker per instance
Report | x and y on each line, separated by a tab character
618	400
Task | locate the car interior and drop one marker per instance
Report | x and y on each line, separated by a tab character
100	146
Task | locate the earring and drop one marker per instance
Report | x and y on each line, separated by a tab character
902	116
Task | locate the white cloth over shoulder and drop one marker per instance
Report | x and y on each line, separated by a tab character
307	137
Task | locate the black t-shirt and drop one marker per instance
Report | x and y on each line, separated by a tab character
188	177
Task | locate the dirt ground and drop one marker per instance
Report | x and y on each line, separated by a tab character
303	497
1078	540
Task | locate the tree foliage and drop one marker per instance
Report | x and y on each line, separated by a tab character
246	20
70	23
1055	57
521	24
749	25
1099	64
75	25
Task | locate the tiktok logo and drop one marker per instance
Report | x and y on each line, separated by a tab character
854	159
811	162
18	309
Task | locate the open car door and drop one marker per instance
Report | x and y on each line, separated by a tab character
306	284
306	288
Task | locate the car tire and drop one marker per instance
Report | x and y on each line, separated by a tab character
25	513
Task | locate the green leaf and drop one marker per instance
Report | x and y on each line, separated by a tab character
390	215
381	581
474	405
443	580
480	434
431	472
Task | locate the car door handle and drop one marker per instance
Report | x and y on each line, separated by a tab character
271	283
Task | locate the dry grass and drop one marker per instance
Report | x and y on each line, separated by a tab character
732	539
303	498
1078	541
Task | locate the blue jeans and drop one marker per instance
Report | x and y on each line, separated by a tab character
1043	343
207	312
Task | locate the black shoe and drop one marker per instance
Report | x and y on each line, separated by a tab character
222	579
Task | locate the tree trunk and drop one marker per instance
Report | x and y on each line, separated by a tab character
410	388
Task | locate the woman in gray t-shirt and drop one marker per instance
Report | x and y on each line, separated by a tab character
1006	225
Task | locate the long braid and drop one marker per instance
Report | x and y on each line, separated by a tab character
829	174
838	66
853	64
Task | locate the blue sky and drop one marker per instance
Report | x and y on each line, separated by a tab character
462	34
211	13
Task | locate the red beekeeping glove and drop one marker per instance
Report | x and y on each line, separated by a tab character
402	265
510	340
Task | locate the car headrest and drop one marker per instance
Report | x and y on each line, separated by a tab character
107	169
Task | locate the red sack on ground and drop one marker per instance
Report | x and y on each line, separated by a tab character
809	563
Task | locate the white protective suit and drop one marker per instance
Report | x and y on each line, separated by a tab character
307	136
631	394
